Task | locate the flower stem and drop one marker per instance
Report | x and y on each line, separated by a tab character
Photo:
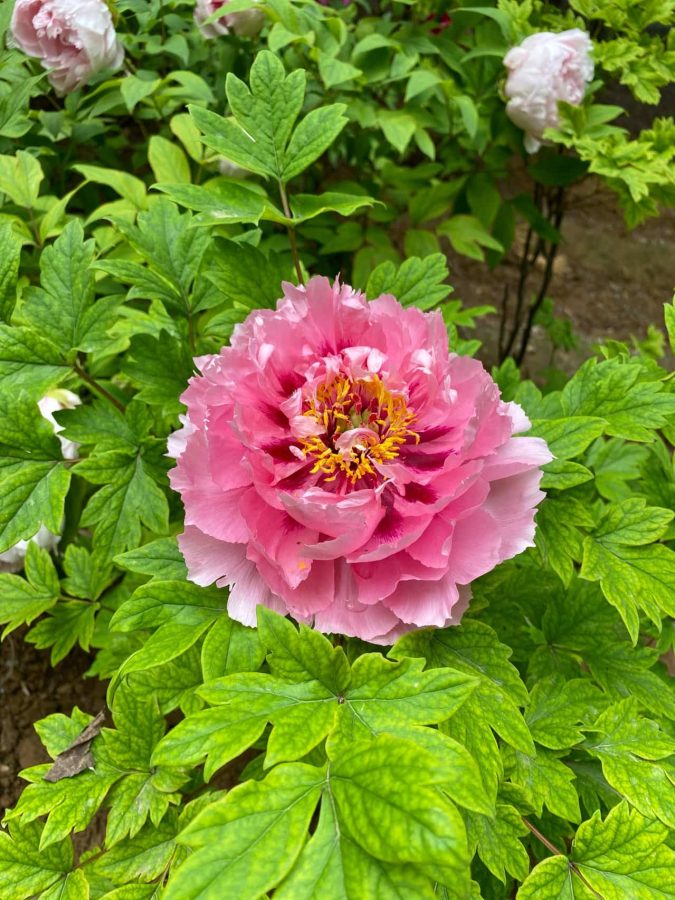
96	387
291	233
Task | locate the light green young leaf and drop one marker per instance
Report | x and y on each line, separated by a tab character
20	178
630	749
333	865
546	782
127	186
26	868
558	707
417	282
473	648
611	389
567	438
247	842
167	161
143	858
231	647
468	236
385	794
497	840
68	623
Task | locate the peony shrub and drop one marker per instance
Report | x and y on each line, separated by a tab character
337	463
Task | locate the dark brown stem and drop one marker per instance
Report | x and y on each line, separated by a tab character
96	387
291	233
554	850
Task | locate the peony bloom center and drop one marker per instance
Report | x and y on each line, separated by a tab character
356	428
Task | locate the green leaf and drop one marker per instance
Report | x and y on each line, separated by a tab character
473	647
62	309
247	277
159	602
222	201
231	647
561	474
27	360
624	856
22	601
160	367
20	178
468	236
398	127
385	795
248	841
497	839
417	282
333	865
632	578
27	869
307	206
167	160
313	136
128	498
69	804
629	750
145	857
546	782
669	315
558	707
160	559
74	887
70	622
633	409
10	255
567	438
633	523
127	186
32	495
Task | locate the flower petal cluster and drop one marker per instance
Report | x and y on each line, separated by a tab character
337	463
12	560
543	70
73	38
245	23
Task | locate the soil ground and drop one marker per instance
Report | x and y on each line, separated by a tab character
610	283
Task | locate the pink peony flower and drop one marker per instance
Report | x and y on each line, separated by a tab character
245	23
73	38
544	69
337	463
12	560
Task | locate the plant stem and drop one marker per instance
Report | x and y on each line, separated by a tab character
291	233
96	387
554	850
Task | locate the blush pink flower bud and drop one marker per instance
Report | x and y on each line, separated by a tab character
245	23
543	70
73	38
12	560
338	463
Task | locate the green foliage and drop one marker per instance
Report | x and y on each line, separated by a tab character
134	237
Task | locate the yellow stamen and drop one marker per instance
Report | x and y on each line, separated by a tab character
342	404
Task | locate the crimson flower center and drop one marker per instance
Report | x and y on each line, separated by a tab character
360	425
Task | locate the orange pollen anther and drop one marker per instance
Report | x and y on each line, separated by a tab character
379	422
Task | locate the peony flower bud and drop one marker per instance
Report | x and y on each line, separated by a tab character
73	38
245	23
543	70
338	463
12	560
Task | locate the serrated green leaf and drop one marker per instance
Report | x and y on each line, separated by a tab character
546	782
307	206
160	367
167	161
417	282
630	748
129	497
497	839
474	648
27	360
26	868
567	438
558	707
68	623
145	857
248	841
384	793
633	409
32	495
220	201
333	865
312	137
